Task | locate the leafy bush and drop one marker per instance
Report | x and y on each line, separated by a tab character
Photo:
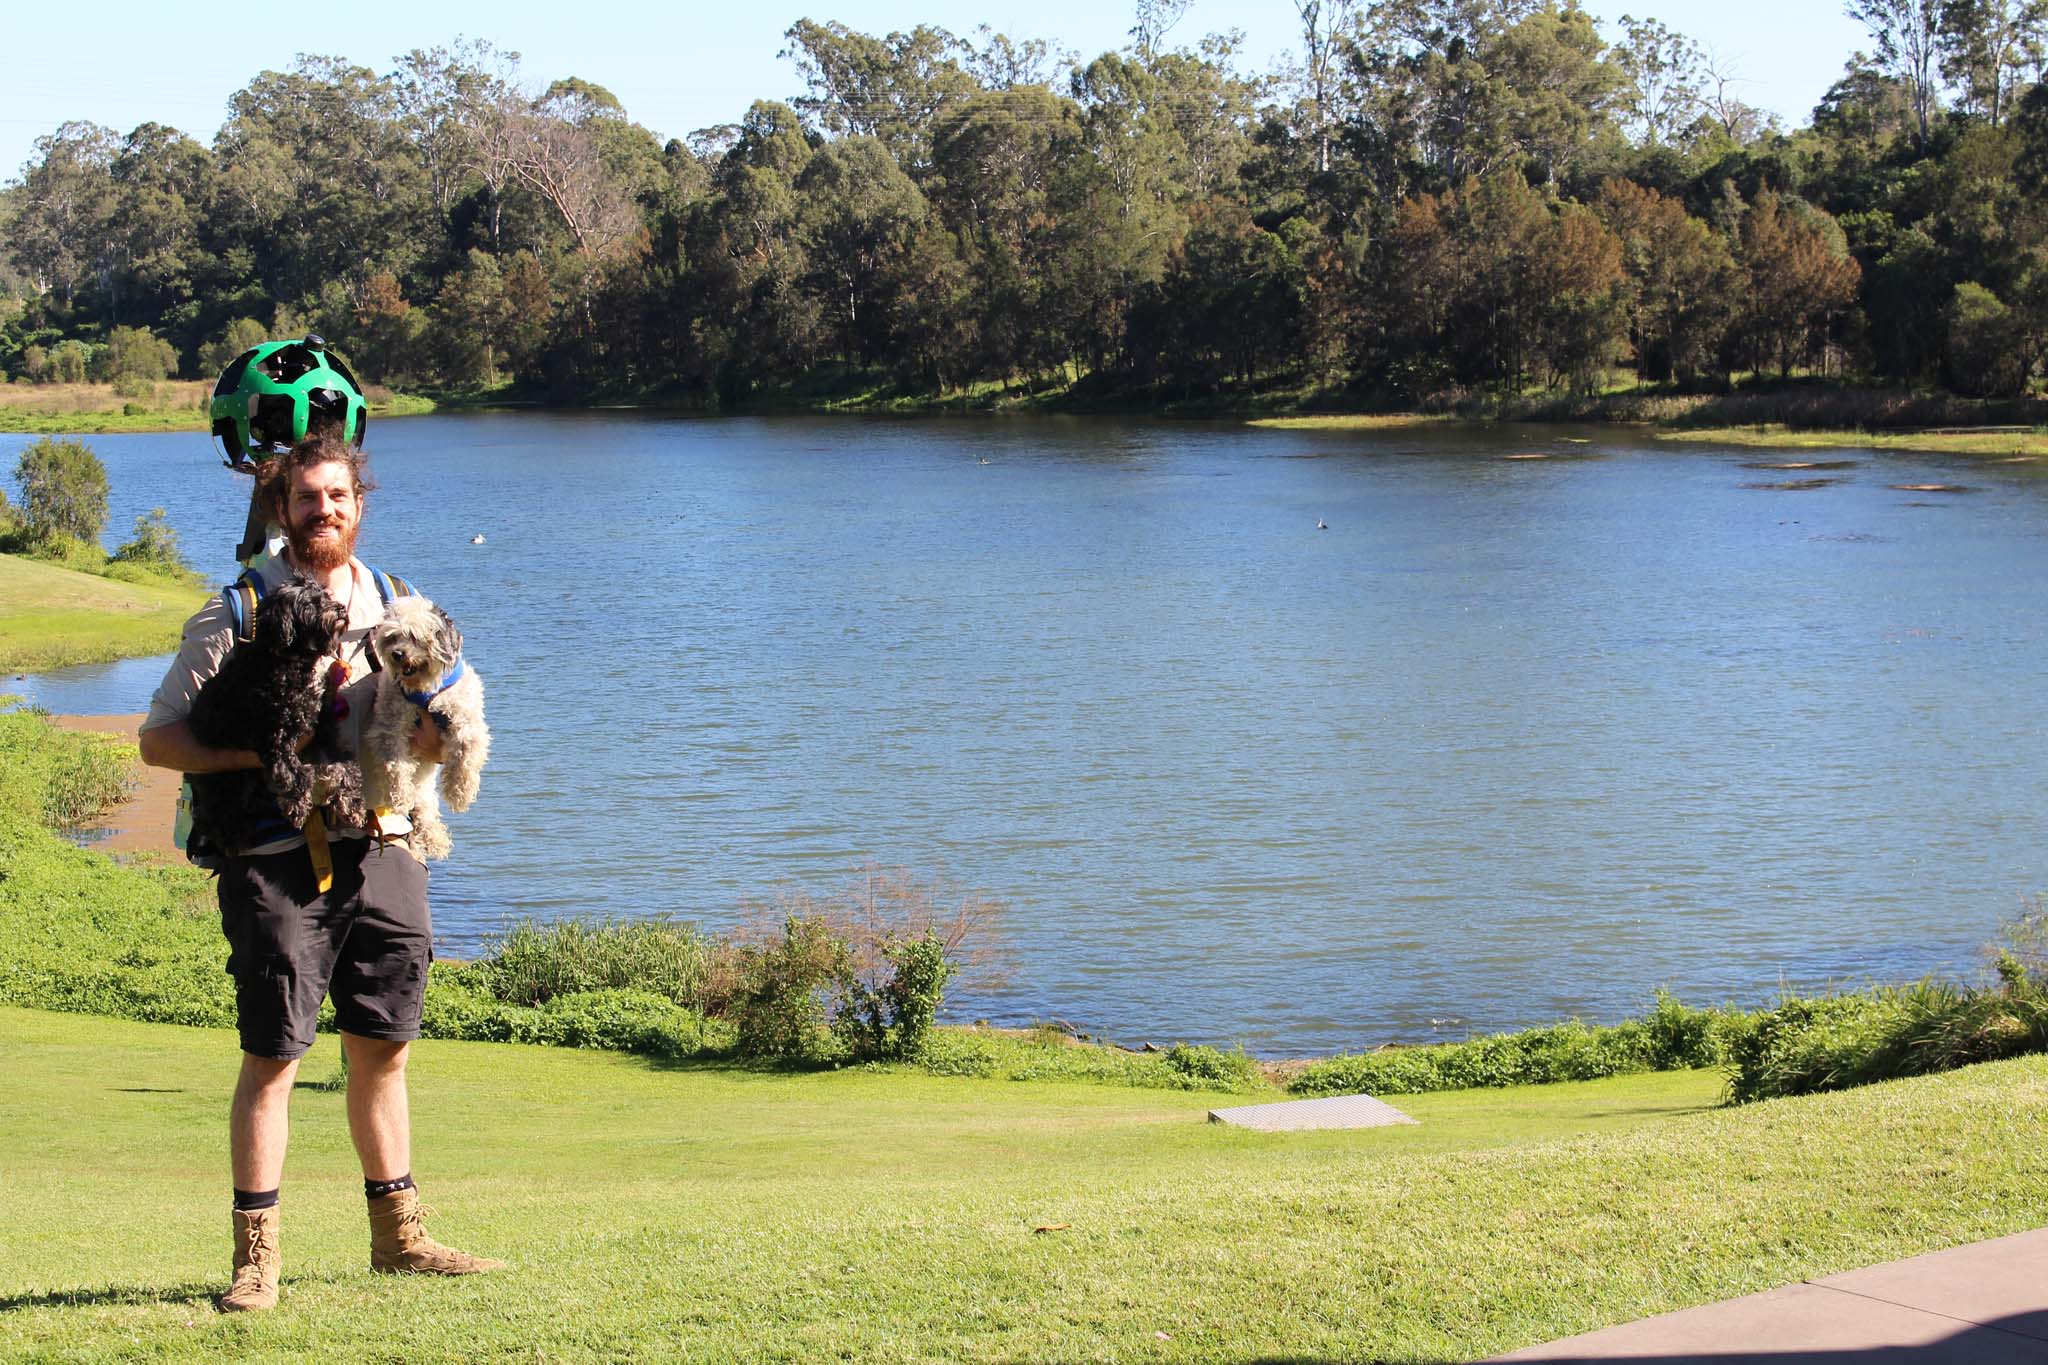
1211	1068
155	544
893	1019
67	362
1048	1056
135	354
1674	1036
240	335
1833	1042
786	983
1990	352
63	491
534	963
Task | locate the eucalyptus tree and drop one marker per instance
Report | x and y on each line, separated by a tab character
1987	47
1906	36
1465	88
891	89
167	274
319	183
447	98
1667	79
857	213
64	213
1326	28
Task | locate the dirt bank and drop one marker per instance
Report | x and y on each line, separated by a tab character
142	823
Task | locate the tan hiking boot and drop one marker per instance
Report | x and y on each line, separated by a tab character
258	1263
399	1244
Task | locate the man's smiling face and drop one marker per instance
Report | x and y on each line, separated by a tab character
321	513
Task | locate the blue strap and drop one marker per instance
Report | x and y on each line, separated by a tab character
243	613
389	585
426	698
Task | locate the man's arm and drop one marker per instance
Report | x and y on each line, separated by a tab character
171	746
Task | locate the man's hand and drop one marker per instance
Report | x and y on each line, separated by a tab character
426	739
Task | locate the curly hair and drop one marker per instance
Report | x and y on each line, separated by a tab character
325	446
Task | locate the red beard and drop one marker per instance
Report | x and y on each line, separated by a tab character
321	555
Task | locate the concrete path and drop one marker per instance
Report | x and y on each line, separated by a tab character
1983	1304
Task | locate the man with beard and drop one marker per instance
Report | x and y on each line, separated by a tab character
365	937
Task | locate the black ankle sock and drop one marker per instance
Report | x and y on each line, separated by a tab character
252	1201
377	1189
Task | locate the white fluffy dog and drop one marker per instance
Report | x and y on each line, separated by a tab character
420	653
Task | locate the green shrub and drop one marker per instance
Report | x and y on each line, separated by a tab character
894	1019
534	963
155	544
1672	1037
63	491
68	362
136	355
1833	1042
1211	1068
239	336
781	1008
1990	354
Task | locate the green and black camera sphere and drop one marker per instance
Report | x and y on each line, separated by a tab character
273	394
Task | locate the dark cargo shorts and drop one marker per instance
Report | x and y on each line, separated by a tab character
367	940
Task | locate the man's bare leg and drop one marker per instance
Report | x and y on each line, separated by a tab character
379	1116
259	1126
259	1122
380	1122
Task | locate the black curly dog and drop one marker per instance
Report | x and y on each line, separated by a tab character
267	695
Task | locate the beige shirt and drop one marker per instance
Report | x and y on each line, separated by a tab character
210	635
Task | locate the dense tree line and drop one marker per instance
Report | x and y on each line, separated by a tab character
1437	196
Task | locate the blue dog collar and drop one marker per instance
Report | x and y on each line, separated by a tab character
424	699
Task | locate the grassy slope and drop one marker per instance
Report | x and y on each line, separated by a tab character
52	616
178	405
716	1214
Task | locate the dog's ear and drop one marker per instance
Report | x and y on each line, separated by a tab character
451	635
287	623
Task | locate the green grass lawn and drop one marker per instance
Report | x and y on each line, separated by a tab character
86	409
708	1213
52	616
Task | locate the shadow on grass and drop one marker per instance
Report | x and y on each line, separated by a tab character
1655	1111
112	1296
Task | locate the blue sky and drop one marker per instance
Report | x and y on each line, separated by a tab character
682	67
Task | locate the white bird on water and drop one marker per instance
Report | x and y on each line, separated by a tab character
1322	525
477	539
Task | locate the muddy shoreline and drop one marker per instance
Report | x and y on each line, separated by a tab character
142	823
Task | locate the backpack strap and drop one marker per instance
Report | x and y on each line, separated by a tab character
243	596
390	585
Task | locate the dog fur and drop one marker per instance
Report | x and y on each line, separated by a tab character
417	647
267	694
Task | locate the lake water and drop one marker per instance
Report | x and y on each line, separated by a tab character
1510	740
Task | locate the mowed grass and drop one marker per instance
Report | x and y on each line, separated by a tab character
720	1214
51	616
